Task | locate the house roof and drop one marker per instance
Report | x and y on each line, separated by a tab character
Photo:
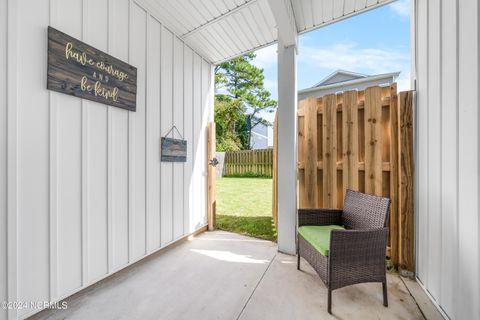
352	78
223	29
332	78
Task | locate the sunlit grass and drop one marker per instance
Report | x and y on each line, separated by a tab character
244	205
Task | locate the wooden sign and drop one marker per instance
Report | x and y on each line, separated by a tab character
80	70
174	150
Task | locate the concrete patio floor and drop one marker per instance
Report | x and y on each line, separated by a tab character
220	275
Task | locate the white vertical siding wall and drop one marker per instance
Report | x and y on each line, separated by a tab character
92	195
447	154
3	156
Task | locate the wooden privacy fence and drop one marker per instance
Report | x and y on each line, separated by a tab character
361	140
249	163
352	140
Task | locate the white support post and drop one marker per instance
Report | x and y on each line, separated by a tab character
287	147
287	124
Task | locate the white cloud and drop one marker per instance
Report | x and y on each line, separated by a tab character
348	56
401	7
270	85
404	82
266	57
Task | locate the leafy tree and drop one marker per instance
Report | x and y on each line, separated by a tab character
228	113
239	86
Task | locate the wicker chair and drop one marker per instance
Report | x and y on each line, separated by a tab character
357	254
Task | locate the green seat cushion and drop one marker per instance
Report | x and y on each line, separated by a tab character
319	236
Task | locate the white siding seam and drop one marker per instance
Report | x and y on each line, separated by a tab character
427	105
478	150
414	40
12	155
4	157
201	135
84	168
145	128
189	189
110	244
53	182
192	135
440	108
417	140
173	123
457	147
160	131
130	120
147	137
183	133
108	164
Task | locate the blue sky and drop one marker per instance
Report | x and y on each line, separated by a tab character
377	41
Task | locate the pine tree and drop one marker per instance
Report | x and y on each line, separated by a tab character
241	96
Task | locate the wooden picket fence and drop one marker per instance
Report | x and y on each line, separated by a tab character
249	163
361	140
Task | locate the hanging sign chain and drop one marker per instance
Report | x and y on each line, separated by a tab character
173	132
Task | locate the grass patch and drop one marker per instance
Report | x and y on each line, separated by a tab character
244	205
258	227
248	174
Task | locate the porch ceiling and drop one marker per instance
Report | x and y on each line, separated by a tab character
223	29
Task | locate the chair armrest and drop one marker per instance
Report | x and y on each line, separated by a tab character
357	256
358	243
319	217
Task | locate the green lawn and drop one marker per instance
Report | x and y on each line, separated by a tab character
244	205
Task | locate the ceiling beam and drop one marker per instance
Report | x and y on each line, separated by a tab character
284	16
216	19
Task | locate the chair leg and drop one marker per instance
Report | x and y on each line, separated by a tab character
298	256
329	306
385	298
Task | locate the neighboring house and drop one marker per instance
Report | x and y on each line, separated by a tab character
342	80
259	138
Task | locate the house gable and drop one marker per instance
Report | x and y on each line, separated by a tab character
340	76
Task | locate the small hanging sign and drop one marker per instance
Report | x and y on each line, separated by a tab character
173	150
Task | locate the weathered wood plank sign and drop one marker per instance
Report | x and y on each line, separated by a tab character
80	70
174	150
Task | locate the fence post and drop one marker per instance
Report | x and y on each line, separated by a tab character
373	140
301	152
406	175
350	140
311	155
394	173
330	151
211	205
